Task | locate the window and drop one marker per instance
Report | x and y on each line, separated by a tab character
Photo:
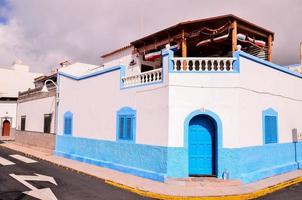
270	126
23	120
68	123
126	123
47	123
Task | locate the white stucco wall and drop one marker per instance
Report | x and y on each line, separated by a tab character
94	102
8	110
238	99
34	111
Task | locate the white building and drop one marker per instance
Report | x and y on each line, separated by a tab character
36	114
12	81
208	109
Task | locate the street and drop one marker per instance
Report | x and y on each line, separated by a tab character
23	177
293	192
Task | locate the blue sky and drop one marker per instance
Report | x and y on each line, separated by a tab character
3	6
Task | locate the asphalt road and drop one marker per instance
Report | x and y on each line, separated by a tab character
70	185
293	192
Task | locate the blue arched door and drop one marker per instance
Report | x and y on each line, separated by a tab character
202	146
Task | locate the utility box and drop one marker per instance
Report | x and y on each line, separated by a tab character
295	135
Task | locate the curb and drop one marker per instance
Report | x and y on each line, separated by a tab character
144	193
245	196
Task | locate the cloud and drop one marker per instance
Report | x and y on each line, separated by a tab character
42	33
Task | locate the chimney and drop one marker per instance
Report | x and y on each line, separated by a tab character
64	63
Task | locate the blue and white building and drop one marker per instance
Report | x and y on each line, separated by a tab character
198	98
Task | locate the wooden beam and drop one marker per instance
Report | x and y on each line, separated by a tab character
158	43
270	48
183	44
234	35
255	32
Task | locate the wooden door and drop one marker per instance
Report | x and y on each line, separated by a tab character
5	128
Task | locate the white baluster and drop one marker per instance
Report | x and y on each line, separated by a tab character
194	65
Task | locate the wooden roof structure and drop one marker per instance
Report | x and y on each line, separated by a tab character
193	31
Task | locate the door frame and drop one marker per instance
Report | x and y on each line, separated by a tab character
218	133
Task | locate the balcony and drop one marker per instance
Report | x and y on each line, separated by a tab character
152	76
203	64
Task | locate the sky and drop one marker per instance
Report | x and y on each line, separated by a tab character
43	33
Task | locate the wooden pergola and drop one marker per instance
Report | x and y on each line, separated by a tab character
210	36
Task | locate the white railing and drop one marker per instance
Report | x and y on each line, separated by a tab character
206	64
143	78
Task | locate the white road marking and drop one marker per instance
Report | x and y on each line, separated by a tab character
23	158
5	162
42	194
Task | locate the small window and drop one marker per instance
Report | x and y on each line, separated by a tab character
270	126
23	121
126	120
47	122
68	123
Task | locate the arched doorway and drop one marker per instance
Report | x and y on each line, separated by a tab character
202	146
5	128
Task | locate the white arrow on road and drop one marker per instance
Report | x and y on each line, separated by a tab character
43	194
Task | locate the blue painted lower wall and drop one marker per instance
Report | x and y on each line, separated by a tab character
142	160
157	163
250	164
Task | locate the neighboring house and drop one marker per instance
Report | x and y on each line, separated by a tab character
11	82
198	104
36	114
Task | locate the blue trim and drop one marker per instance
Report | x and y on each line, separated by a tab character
68	116
218	127
104	71
293	65
269	112
122	74
269	64
170	61
128	112
236	63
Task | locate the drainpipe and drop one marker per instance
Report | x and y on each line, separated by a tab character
295	140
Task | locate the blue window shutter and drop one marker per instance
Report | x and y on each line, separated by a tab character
69	125
125	129
68	119
267	130
129	127
274	129
270	129
121	127
65	125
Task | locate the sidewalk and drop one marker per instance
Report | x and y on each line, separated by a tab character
195	188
